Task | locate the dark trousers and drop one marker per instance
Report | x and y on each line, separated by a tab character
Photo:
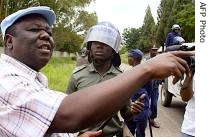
137	127
153	104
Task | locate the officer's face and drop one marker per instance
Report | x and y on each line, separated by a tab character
32	42
153	52
131	61
101	51
177	30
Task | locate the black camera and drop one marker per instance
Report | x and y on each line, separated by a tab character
185	47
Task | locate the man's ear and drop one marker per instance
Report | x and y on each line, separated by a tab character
8	41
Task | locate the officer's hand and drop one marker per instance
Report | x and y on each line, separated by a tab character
138	105
91	134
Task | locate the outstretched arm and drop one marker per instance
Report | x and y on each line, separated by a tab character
90	105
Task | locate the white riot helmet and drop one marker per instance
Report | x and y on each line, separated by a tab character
175	26
106	33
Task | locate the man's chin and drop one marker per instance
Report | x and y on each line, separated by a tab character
100	60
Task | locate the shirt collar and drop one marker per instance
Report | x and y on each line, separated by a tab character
24	69
112	69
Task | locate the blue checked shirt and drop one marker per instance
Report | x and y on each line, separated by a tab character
27	106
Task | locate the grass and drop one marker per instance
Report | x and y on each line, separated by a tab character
58	72
124	58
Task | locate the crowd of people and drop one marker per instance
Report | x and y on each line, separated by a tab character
98	92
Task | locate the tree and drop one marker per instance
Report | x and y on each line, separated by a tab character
131	38
143	37
9	6
72	21
180	12
185	17
148	37
163	26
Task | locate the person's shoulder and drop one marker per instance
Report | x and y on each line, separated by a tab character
170	33
79	68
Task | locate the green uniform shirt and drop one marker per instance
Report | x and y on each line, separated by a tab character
87	75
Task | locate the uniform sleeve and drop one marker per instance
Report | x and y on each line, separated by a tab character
71	85
27	110
149	88
167	40
125	109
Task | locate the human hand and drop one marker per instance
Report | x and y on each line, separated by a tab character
170	63
187	81
138	105
91	134
186	90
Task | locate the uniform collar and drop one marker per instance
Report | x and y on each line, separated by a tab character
112	69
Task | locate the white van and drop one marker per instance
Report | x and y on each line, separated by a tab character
168	89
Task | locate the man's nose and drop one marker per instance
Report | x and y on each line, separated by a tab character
44	35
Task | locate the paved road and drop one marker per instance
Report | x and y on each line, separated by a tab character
170	120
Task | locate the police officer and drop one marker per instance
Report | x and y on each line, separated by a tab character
138	123
174	37
103	42
154	93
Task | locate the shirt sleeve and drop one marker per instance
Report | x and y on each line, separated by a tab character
27	110
167	42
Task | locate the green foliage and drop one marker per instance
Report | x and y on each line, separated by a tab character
131	37
148	31
66	40
123	50
186	19
164	20
72	21
169	12
142	38
58	72
180	12
124	57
